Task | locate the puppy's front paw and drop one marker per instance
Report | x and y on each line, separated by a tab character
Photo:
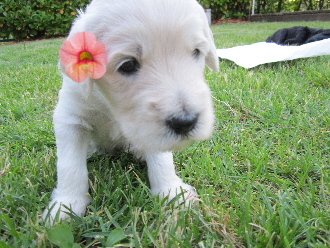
183	192
58	209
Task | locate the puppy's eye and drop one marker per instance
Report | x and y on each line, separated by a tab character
129	67
196	53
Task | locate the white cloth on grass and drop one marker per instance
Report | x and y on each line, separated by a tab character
249	56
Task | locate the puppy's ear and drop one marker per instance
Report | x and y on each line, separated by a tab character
87	87
212	59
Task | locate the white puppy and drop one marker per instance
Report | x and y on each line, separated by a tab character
153	97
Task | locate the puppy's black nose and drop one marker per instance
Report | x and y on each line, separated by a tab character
182	124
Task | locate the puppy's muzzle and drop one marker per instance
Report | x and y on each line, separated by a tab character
183	124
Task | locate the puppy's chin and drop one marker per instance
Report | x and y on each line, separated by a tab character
168	142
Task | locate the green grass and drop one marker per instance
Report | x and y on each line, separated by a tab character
263	178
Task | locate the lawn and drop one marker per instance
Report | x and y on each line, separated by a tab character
263	177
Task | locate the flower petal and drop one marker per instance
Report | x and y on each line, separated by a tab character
96	70
68	54
77	72
100	58
98	49
82	41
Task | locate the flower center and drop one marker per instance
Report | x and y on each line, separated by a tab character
85	55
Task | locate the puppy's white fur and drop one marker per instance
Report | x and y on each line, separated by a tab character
172	43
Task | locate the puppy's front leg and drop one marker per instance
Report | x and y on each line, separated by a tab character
164	181
72	177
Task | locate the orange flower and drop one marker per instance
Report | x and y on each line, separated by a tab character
83	56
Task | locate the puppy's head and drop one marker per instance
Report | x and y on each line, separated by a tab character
154	84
